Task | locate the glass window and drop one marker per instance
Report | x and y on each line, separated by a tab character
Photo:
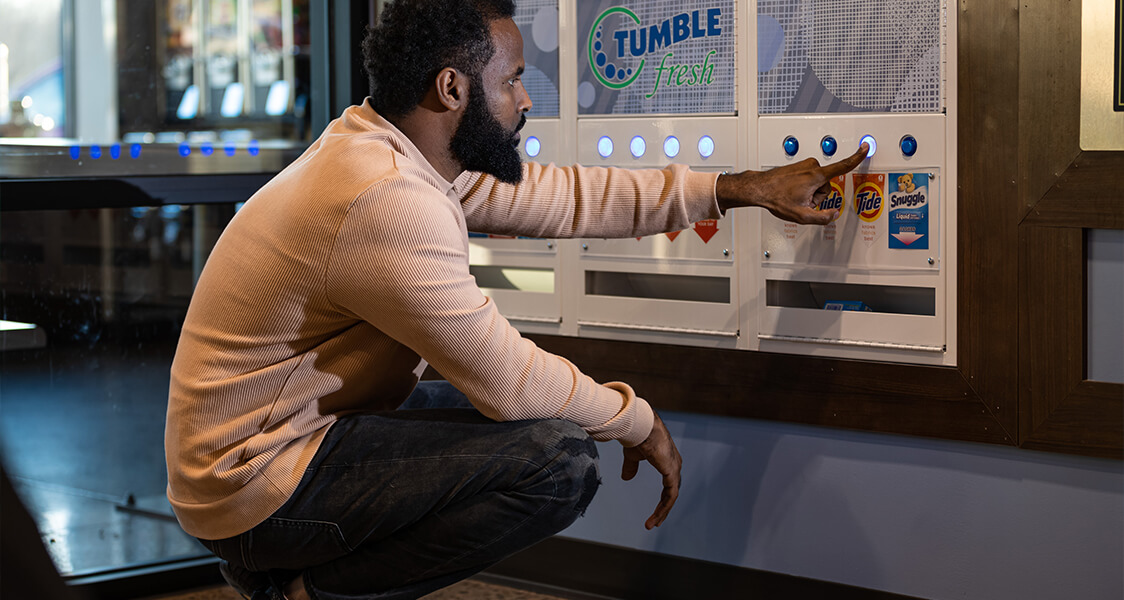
165	87
32	91
92	302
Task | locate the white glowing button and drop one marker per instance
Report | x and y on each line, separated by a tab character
671	146
869	139
706	146
637	146
533	146
605	146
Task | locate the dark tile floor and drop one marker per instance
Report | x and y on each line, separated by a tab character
465	590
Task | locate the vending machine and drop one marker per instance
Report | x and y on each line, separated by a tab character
657	84
879	282
731	85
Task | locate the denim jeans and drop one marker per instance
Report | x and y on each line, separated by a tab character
398	504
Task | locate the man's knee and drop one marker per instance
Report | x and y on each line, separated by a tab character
573	465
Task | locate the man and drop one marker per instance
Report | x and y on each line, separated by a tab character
344	276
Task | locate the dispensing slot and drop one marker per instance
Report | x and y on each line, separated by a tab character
523	279
892	299
690	288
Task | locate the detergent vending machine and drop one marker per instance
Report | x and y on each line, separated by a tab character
733	85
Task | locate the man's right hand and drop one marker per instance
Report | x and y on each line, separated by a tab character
660	451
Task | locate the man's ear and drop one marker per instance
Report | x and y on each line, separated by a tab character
452	88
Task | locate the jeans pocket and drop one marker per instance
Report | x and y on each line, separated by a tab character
295	544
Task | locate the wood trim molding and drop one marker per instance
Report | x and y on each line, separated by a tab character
1065	191
889	398
1086	195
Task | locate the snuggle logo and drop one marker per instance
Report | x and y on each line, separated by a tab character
617	60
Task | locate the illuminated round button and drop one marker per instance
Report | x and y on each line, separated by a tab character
207	149
637	146
533	146
185	150
253	148
791	146
135	150
115	151
873	145
75	152
706	146
829	145
95	152
605	146
671	146
909	145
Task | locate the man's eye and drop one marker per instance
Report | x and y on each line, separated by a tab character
513	81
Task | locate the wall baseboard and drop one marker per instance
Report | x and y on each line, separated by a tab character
600	570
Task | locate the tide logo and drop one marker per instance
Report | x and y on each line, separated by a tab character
868	201
834	198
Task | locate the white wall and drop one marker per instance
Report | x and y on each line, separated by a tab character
926	518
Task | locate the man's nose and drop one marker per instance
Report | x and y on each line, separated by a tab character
525	101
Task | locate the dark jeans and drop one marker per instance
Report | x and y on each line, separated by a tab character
398	504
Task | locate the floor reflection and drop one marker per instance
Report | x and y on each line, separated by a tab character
81	430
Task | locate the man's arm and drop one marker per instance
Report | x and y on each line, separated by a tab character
792	192
577	201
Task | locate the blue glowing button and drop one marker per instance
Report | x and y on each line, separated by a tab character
909	145
75	152
135	150
207	149
791	146
869	139
95	152
829	145
605	146
706	146
671	146
253	149
533	146
185	150
115	151
229	149
637	146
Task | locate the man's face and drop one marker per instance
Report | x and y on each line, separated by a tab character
487	137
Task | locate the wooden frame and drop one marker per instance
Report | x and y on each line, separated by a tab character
1027	192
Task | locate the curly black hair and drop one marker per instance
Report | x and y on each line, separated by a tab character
415	39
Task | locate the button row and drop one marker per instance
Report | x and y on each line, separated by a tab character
637	146
829	145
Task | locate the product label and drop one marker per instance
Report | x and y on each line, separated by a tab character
909	211
834	200
869	202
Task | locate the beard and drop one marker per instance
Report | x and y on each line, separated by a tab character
481	143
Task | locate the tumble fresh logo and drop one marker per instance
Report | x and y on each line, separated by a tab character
631	44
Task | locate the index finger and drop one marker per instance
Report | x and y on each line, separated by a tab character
847	164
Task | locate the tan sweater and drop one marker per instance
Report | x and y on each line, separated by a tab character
339	279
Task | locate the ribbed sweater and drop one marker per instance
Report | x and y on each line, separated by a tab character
336	283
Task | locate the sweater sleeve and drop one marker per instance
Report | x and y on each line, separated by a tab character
400	263
577	201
